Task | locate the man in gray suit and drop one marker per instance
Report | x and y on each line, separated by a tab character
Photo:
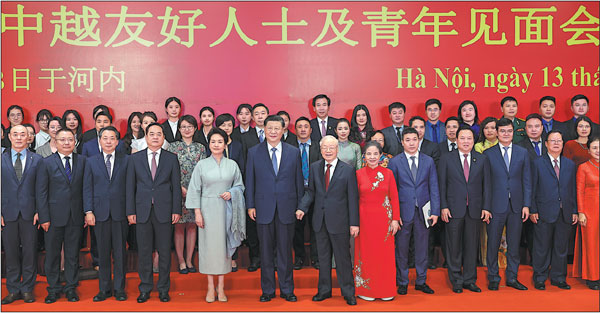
393	134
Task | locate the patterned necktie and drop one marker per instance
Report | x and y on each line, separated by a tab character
506	160
323	129
327	174
305	162
453	147
108	165
434	135
19	166
274	160
466	172
413	168
536	148
261	135
556	169
68	167
399	133
154	165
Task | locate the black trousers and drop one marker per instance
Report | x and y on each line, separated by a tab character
252	240
70	236
276	236
20	252
111	236
339	244
299	238
551	243
162	234
461	241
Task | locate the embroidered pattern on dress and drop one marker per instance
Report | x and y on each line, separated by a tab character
388	209
379	178
359	281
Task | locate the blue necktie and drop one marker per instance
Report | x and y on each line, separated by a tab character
506	161
68	167
305	162
548	126
536	148
261	135
434	135
274	160
108	165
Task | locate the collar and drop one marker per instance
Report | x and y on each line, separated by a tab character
461	154
432	124
333	163
325	119
157	152
538	141
396	127
408	155
502	146
309	142
13	153
242	130
62	156
172	123
278	146
552	159
105	154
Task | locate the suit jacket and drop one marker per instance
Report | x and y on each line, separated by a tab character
431	149
443	147
249	140
236	134
315	136
455	190
57	198
89	135
236	153
165	188
569	131
526	143
515	181
337	206
199	137
18	196
441	132
549	192
169	133
92	148
267	192
104	196
291	139
556	125
424	189
392	144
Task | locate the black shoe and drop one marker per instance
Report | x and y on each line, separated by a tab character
164	296
315	264
266	297
120	295
11	297
457	289
143	297
253	266
351	300
594	286
320	297
431	266
101	296
298	264
539	285
72	296
234	269
424	288
52	297
472	287
516	284
402	289
192	269
411	265
561	284
28	297
493	285
183	270
290	298
445	265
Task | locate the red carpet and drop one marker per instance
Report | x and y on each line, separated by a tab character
243	290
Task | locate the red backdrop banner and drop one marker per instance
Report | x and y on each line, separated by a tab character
131	56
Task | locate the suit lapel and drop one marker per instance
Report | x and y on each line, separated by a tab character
159	165
263	151
550	167
406	166
336	174
29	158
284	154
457	162
8	159
498	153
61	167
102	166
144	156
76	166
320	175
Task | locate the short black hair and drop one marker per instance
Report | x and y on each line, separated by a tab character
260	104
109	128
532	116
149	114
415	118
547	98
154	124
190	119
243	106
508	98
503	122
302	118
224	118
554	131
99	107
409	130
13	107
217	131
433	101
43	113
104	113
320	96
275	118
591	139
171	99
579	97
64	129
396	105
465	127
59	120
452	118
280	113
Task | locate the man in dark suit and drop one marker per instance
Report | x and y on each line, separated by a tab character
288	137
171	125
547	110
465	198
333	193
435	130
579	107
104	185
59	199
449	145
425	146
244	117
274	186
93	133
323	124
553	211
19	216
511	199
309	153
251	138
417	183
154	205
393	134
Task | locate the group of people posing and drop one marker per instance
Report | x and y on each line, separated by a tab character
374	199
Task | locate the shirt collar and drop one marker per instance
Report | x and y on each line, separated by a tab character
278	146
113	154
552	159
13	153
502	146
408	155
172	123
62	156
333	163
307	142
157	152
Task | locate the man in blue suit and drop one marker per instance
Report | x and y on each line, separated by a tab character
417	183
154	205
19	216
553	211
511	199
59	199
104	199
274	187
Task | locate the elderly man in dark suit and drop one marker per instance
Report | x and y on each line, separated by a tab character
465	198
104	185
393	134
333	190
19	216
59	198
323	124
274	186
154	205
553	211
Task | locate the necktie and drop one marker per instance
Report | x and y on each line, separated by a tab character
327	173
305	162
536	148
19	166
108	165
68	167
506	160
434	135
274	160
466	172
548	127
556	169
453	147
323	129
154	165
399	133
413	168
261	135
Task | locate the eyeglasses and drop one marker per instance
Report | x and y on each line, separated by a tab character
554	142
186	127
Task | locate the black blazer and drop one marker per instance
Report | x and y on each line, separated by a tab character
57	198
338	206
569	132
102	195
165	188
454	189
393	144
88	135
443	147
551	192
291	139
18	196
431	149
169	133
199	137
249	140
526	143
236	134
315	136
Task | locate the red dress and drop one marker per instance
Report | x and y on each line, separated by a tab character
577	152
587	246
374	254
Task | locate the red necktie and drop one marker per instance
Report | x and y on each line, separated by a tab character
327	177
556	169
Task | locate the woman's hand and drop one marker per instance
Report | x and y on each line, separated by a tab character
199	218
226	196
395	227
183	192
582	219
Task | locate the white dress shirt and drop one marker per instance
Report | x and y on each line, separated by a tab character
332	169
416	155
509	151
63	160
150	158
279	146
462	159
319	122
173	127
552	160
